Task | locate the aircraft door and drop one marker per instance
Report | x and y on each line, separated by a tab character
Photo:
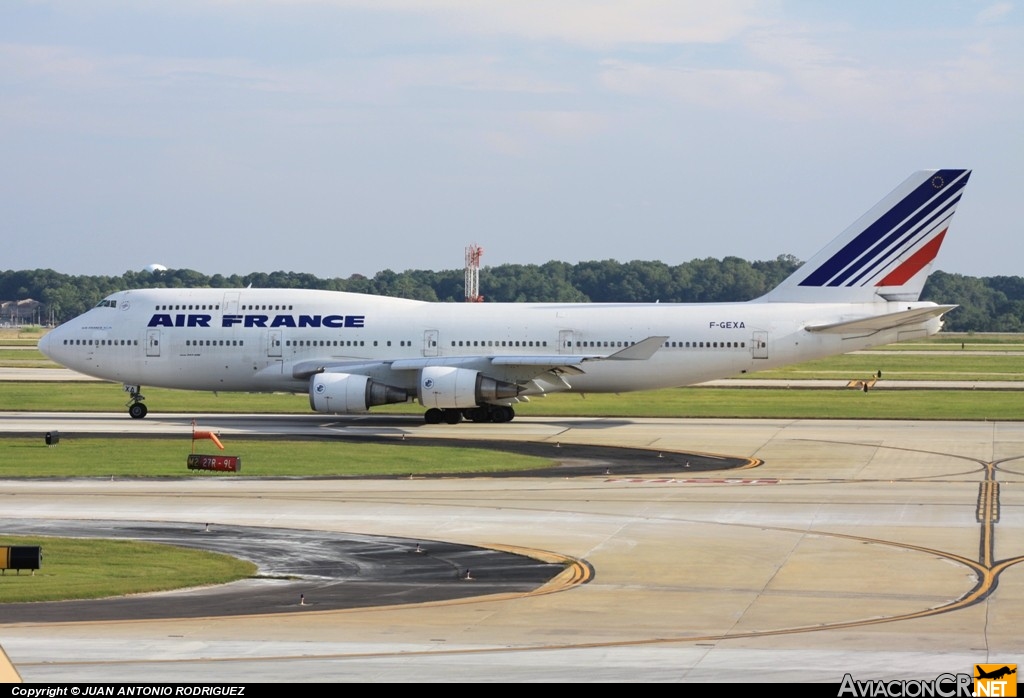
274	343
430	339
565	342
231	303
152	342
760	342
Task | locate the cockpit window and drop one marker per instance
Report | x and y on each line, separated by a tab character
107	303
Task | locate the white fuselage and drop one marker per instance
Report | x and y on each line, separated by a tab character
267	339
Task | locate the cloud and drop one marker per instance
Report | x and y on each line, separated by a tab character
994	13
716	88
591	23
799	72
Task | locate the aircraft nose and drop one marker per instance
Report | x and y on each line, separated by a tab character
44	344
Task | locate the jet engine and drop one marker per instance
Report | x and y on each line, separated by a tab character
343	393
447	387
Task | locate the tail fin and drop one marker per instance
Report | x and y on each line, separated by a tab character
888	252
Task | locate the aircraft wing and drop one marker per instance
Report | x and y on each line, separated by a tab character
540	364
305	369
640	351
557	363
877	323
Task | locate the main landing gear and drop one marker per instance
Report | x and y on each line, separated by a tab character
483	413
136	408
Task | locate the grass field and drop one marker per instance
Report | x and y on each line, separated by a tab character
20	336
165	457
981	365
89	568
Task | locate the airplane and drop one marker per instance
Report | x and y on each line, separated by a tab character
350	352
995	674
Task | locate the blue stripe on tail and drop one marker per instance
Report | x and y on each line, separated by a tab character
897	226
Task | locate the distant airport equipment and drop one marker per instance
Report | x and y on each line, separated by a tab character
473	254
20	557
350	352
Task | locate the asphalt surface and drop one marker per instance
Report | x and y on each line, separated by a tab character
299	571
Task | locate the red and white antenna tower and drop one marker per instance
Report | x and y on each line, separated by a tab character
473	254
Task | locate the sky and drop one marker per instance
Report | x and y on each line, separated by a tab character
341	137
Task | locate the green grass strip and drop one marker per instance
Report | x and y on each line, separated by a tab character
166	457
839	403
88	568
937	365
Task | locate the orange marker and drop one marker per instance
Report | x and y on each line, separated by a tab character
207	435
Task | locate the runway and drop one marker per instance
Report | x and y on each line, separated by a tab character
886	550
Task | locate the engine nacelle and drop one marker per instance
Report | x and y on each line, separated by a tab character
344	393
447	387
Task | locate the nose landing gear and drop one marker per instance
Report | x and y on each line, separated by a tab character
136	408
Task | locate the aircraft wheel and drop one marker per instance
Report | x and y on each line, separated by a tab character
433	416
138	410
477	414
452	416
504	414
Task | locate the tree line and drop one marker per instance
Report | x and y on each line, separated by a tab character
987	304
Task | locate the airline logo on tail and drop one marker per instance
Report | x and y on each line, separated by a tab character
899	241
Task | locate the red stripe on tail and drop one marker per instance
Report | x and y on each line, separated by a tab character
915	263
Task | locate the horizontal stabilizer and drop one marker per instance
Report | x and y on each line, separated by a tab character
877	323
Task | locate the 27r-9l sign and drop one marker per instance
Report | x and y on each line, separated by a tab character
230	464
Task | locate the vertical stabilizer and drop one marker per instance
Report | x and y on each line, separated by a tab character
887	254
